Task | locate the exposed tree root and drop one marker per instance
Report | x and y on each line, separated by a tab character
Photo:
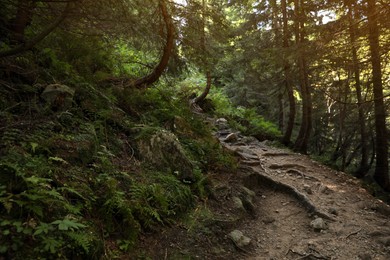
276	154
286	166
257	179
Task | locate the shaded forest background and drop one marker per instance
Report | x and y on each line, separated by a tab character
312	75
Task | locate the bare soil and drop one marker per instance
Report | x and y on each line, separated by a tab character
290	191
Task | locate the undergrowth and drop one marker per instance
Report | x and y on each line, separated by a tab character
246	120
72	184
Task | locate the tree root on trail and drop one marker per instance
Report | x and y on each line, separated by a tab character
286	166
353	233
257	179
304	176
276	154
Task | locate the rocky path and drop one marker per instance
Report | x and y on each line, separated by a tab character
277	205
304	210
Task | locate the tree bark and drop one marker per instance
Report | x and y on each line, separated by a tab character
363	167
301	144
276	32
206	64
162	65
287	79
205	91
381	174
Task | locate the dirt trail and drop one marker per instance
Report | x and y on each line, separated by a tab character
291	190
273	199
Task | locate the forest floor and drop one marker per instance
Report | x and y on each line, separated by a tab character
282	205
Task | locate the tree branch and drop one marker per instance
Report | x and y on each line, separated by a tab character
27	46
161	66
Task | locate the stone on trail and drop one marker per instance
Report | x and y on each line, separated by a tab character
324	189
238	203
221	123
318	224
232	137
307	189
239	239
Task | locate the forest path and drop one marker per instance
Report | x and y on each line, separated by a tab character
277	205
292	191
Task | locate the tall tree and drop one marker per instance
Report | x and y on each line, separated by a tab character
363	167
287	77
301	143
169	44
381	174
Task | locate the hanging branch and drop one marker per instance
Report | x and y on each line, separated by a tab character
161	66
28	45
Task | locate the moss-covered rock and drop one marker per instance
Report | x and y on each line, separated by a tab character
59	97
164	151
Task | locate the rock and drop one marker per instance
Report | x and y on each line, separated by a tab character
248	204
239	239
221	123
307	189
333	211
246	154
224	132
232	137
164	151
268	220
364	256
238	203
247	192
324	189
59	97
318	224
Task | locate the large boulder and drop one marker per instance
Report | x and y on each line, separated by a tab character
164	151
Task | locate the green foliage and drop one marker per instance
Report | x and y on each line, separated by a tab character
160	200
37	217
244	119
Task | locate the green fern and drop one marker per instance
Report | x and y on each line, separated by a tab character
82	240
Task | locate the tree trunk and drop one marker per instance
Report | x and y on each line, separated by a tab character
381	174
22	19
205	91
363	168
287	79
276	32
31	43
162	65
301	144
